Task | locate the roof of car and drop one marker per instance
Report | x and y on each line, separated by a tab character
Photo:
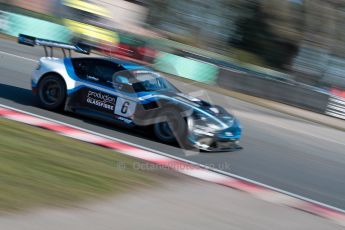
125	64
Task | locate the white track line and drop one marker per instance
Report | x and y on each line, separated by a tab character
17	56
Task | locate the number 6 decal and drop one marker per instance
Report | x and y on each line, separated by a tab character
124	107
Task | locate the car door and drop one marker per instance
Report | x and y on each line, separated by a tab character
97	94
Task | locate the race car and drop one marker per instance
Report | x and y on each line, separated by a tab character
130	95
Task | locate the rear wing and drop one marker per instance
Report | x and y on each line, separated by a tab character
32	41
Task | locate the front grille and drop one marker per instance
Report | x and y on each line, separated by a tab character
224	144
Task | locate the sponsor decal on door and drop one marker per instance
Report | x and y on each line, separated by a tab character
101	100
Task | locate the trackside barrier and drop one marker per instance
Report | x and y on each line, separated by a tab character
336	107
291	93
3	21
15	24
186	67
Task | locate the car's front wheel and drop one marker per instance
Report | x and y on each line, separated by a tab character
51	92
173	129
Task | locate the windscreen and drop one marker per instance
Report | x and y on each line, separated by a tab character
142	81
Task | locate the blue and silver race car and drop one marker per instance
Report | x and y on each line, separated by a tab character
130	95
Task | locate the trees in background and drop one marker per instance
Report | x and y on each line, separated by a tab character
255	34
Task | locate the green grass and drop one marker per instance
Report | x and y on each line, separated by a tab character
41	168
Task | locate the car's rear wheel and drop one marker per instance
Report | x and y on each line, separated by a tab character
173	129
52	92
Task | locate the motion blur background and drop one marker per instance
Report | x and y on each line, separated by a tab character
297	43
290	51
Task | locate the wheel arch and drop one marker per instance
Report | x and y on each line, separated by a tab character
60	102
183	109
52	73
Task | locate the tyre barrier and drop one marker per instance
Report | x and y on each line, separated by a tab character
336	107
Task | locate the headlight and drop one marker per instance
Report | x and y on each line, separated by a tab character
202	124
229	120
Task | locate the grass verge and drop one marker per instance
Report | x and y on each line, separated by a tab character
41	168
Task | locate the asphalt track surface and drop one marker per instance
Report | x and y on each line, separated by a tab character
282	151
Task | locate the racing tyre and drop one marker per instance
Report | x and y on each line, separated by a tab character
174	129
51	92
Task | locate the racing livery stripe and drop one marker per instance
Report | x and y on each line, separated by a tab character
256	189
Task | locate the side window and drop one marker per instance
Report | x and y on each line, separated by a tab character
96	70
104	71
82	67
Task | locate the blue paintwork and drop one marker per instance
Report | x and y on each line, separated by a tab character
235	129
